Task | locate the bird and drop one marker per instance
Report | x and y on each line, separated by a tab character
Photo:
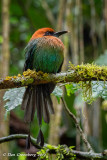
44	52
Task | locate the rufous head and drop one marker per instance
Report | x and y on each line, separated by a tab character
46	32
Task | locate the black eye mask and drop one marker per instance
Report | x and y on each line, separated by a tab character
49	33
55	34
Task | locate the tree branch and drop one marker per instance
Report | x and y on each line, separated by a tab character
53	149
78	127
74	74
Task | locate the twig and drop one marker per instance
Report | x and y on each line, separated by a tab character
19	136
53	150
78	126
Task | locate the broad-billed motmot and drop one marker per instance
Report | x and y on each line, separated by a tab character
44	52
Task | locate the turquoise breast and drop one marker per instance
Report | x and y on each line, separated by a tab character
47	57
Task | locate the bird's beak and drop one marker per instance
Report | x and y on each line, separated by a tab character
57	34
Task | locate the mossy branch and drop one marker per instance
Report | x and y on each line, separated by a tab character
53	149
75	74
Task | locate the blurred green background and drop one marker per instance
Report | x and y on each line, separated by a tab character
86	21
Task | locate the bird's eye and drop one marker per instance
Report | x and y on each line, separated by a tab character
48	33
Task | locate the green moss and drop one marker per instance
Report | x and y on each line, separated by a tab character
28	81
34	74
62	152
30	73
90	70
86	72
87	92
51	147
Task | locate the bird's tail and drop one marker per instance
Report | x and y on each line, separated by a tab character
37	98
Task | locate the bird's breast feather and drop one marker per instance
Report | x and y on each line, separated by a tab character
48	55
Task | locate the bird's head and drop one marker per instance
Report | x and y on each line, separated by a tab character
46	32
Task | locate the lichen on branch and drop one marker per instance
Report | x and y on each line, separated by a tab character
74	74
